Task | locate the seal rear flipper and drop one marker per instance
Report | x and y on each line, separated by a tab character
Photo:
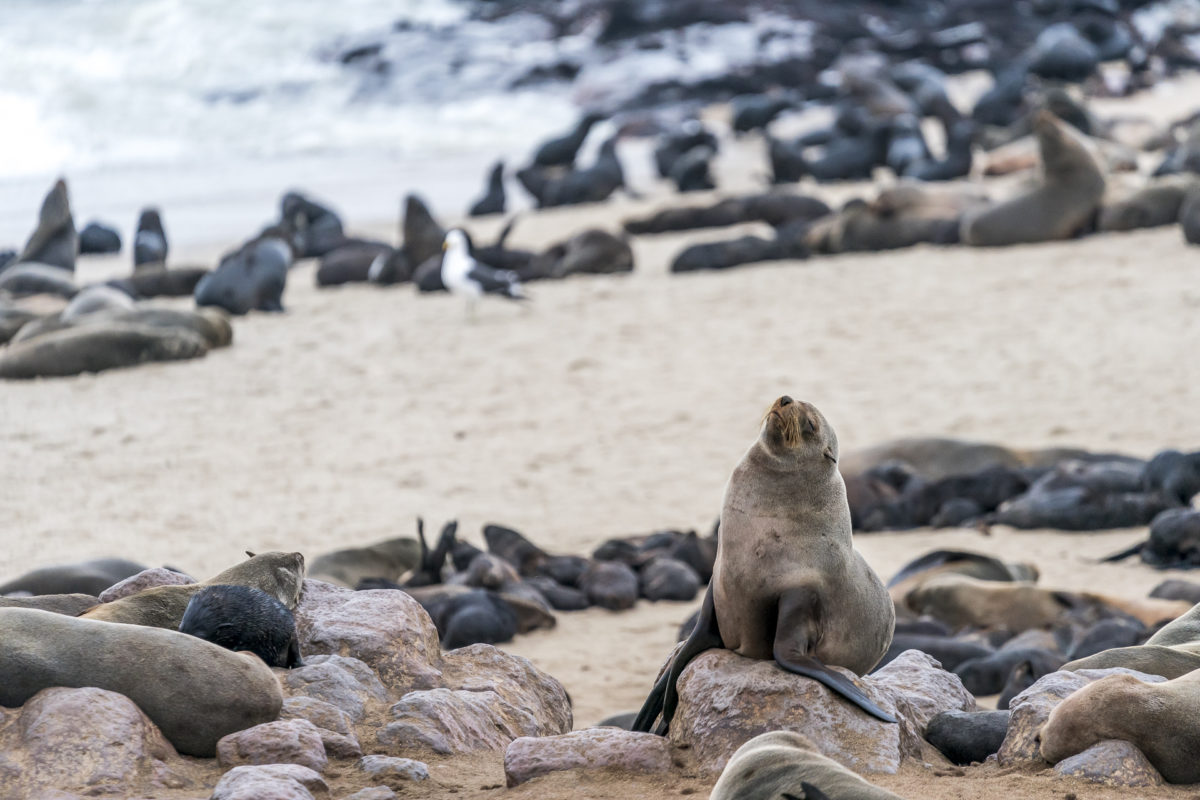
663	697
810	667
1123	554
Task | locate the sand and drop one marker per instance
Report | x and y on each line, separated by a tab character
609	406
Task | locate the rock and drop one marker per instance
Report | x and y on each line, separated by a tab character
146	579
333	724
455	721
270	782
345	683
1032	707
1111	763
594	748
88	740
482	667
921	690
725	700
391	767
292	741
372	793
384	628
194	691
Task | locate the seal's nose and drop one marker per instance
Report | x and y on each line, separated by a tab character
785	401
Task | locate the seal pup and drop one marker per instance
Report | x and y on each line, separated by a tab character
783	764
150	242
1071	189
252	277
98	238
244	618
493	198
465	276
1157	718
280	575
54	241
788	584
315	228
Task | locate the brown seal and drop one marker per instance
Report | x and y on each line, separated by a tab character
1069	193
388	559
281	575
94	348
788	584
786	764
1157	718
1171	652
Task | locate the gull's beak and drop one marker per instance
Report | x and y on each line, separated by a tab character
445	246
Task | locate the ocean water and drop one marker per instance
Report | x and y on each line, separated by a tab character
213	108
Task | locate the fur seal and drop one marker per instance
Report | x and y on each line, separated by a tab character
85	577
96	299
315	229
54	241
244	618
1157	718
71	605
783	764
21	280
423	236
752	112
493	198
154	281
672	146
100	239
95	348
968	737
775	209
1173	651
593	184
210	324
280	575
788	584
1189	217
194	691
1069	193
1156	204
150	246
388	559
252	277
561	150
352	263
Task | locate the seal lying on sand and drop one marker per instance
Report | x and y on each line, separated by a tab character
85	577
1071	190
94	348
388	559
1171	652
281	575
788	583
784	764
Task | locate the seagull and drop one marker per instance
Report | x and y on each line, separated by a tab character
462	274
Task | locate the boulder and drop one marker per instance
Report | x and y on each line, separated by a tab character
333	724
146	579
270	782
595	748
292	741
372	793
90	741
1111	763
456	721
482	667
404	769
1032	707
345	683
384	628
725	700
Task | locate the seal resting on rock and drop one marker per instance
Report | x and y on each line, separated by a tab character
787	584
244	618
783	764
1157	718
281	575
194	691
1071	190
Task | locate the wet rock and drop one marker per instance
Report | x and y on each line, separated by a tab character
1111	763
271	782
384	628
341	681
146	579
333	724
1032	707
293	741
391	767
88	740
595	748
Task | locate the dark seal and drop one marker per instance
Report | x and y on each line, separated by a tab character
244	618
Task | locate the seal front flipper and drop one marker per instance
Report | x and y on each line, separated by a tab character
664	697
810	667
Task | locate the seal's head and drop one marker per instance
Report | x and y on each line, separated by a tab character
796	432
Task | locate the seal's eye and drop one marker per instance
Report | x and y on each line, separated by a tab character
809	425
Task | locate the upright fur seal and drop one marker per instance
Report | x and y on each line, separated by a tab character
54	241
1071	190
788	583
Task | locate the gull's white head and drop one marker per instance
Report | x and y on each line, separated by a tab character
455	240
